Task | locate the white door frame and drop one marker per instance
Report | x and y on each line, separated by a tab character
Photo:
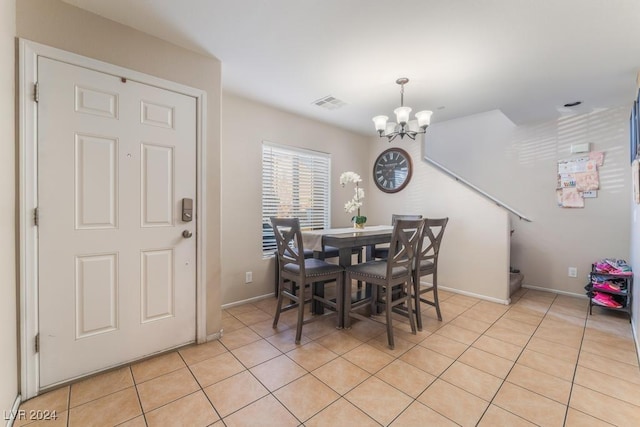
28	195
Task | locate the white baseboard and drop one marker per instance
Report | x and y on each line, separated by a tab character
471	294
246	301
634	330
14	411
555	291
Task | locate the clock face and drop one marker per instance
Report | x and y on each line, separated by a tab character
392	170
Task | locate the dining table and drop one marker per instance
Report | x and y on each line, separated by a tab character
345	239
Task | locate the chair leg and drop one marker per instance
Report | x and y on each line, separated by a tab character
375	300
339	300
360	262
277	278
435	296
346	301
314	291
416	300
408	298
276	317
300	314
317	289
388	309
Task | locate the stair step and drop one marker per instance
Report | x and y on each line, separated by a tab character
515	282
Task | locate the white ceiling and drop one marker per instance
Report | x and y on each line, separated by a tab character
524	57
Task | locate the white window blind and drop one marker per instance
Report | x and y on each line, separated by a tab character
295	183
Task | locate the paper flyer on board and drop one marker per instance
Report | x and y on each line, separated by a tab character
571	198
598	157
578	178
587	181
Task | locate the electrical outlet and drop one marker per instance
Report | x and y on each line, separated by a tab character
248	277
573	272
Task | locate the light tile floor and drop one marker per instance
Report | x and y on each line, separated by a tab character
540	361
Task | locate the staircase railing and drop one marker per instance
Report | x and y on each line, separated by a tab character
476	189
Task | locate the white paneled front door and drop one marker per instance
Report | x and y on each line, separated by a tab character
117	277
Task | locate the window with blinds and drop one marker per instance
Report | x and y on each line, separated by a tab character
295	183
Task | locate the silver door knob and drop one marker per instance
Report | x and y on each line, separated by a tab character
186	234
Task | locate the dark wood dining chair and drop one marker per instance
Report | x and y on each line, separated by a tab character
382	252
427	264
268	238
390	278
299	274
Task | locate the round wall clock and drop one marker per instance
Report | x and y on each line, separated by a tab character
392	170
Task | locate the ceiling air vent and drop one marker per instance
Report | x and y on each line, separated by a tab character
329	102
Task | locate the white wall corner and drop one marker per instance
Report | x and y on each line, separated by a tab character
247	301
13	414
554	291
474	295
215	336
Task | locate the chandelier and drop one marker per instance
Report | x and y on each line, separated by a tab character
404	127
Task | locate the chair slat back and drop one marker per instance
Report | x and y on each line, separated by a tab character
395	217
432	238
405	238
289	241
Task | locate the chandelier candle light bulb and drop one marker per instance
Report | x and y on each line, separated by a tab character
355	203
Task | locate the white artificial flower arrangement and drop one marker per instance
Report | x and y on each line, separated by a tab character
356	203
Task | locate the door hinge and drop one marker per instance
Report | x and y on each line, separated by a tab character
36	216
37	344
36	92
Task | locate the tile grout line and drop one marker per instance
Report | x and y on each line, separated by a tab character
575	369
127	366
575	365
368	341
199	385
457	359
135	386
339	356
412	345
515	362
257	379
69	407
454	360
437	377
470	345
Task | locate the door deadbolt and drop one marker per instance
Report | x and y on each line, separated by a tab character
187	210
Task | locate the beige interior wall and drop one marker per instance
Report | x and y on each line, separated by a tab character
518	165
245	124
474	256
8	303
635	264
635	254
60	25
477	235
559	238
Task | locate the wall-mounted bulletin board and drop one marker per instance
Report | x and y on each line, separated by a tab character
578	179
